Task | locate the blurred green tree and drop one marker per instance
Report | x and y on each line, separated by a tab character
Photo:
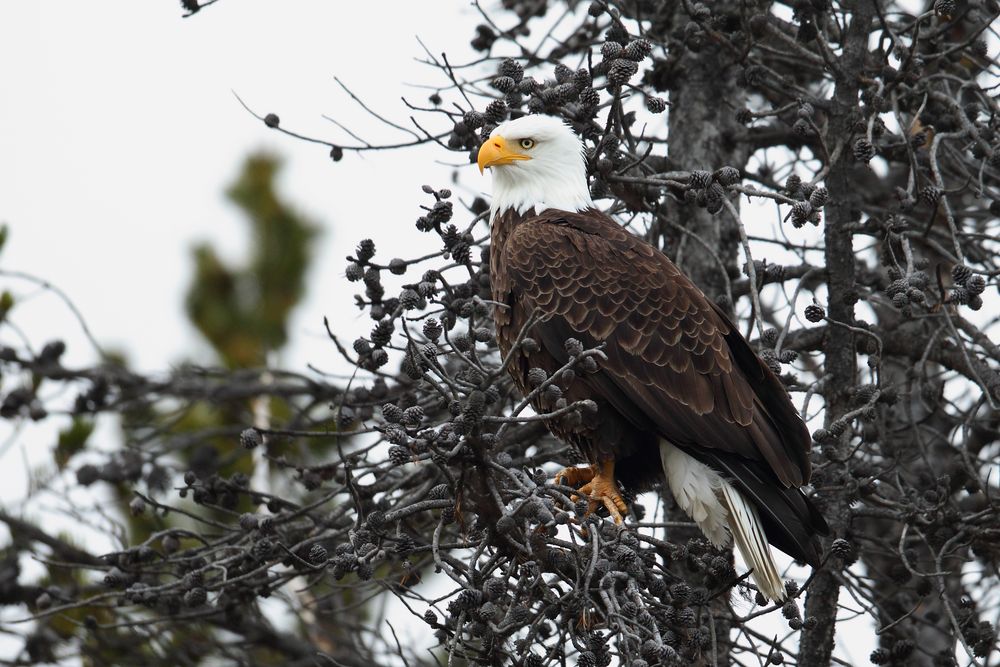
243	310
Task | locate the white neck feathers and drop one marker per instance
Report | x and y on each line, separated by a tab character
555	186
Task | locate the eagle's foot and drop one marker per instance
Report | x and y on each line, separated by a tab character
574	476
600	489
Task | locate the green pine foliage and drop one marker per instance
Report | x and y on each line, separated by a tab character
243	310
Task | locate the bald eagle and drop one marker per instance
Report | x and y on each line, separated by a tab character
680	394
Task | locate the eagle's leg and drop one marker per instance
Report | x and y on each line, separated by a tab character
602	489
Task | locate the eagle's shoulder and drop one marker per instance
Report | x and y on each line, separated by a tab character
592	222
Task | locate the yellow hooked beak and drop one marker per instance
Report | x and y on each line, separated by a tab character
495	152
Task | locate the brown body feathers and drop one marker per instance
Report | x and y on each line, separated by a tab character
676	367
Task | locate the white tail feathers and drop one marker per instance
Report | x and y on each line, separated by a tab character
720	511
696	486
744	522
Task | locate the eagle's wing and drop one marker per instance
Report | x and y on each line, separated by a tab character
675	364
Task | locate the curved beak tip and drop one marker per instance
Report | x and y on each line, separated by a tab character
495	152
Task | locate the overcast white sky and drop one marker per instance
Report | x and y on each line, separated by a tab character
119	133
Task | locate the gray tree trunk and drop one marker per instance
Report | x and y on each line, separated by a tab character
816	647
703	134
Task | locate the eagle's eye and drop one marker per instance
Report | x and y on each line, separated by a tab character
527	144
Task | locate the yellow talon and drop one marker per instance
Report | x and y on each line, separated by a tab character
600	488
574	476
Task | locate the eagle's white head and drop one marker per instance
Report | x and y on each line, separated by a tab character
537	162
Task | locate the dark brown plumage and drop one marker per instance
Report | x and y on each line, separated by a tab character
677	369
